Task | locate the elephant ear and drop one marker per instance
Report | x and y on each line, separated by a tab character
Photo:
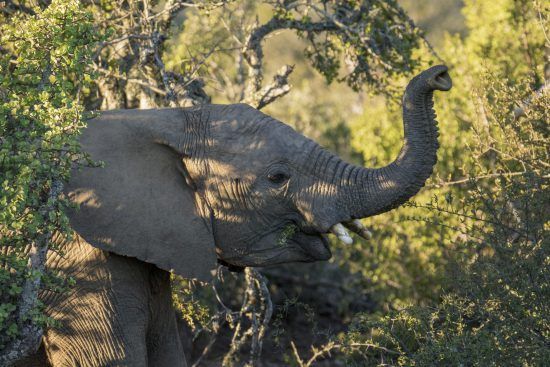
139	203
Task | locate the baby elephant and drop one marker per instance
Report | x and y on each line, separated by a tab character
184	188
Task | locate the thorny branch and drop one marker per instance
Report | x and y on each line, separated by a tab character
256	312
468	180
318	353
249	324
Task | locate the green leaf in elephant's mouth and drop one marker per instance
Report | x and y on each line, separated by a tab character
288	231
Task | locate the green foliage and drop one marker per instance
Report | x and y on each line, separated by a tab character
376	39
42	69
409	255
484	240
194	302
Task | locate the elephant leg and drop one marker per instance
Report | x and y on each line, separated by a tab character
103	320
119	313
163	340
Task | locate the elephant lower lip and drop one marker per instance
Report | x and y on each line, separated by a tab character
316	246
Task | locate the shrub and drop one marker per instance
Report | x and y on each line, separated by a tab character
489	217
42	70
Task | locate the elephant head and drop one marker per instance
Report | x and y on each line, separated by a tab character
181	187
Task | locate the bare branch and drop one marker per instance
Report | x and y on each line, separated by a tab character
327	348
256	310
217	322
278	88
172	7
253	51
129	80
265	313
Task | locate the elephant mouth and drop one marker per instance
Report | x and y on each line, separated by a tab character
281	245
315	246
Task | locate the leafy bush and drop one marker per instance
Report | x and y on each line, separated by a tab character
42	68
487	217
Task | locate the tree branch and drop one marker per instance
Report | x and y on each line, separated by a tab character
256	310
253	51
112	74
278	88
370	42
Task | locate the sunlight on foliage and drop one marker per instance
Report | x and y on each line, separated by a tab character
42	68
193	302
490	231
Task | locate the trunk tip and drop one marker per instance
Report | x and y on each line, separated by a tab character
437	77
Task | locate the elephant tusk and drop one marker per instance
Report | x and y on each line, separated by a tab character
356	226
340	232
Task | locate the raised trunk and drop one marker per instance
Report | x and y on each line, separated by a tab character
374	191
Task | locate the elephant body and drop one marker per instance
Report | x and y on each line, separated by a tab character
184	188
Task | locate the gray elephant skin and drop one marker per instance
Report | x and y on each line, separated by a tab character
184	188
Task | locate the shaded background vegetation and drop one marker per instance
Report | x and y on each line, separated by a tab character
459	276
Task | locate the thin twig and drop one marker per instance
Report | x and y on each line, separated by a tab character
129	80
481	177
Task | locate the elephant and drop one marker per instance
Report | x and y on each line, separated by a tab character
182	189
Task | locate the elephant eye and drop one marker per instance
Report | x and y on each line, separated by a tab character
278	178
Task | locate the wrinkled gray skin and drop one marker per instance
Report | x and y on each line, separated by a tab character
182	187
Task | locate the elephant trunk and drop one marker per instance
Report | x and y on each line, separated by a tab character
370	192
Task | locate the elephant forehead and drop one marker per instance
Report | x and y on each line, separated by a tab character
254	152
282	135
230	166
258	133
